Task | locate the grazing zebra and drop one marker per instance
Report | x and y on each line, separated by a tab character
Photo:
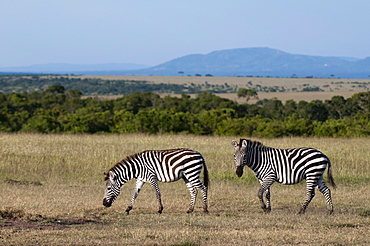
158	165
286	166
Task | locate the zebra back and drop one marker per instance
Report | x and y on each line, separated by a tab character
167	164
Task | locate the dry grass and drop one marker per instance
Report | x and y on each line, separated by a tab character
332	83
67	207
282	96
296	96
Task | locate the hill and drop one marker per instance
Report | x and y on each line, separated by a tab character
262	62
250	62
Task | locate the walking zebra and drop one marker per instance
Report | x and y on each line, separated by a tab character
158	165
286	166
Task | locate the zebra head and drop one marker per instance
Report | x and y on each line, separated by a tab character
239	155
112	188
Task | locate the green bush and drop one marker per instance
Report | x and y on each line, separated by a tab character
57	110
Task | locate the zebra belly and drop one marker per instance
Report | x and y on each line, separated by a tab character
171	179
159	178
290	178
291	182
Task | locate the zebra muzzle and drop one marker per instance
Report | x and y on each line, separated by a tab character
239	171
106	203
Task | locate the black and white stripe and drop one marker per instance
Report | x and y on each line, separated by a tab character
158	165
286	166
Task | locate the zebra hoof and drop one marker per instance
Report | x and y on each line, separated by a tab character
189	211
127	212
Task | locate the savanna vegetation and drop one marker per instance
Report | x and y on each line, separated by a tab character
52	189
98	86
60	110
125	85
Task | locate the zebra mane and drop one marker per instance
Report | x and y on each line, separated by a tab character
123	161
254	143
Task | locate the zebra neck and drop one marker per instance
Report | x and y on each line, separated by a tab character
257	156
126	170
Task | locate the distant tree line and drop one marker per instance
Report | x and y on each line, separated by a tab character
60	110
96	86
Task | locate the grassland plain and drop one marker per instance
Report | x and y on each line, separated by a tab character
287	88
52	188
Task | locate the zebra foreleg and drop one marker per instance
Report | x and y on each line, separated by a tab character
265	189
327	194
266	207
268	200
157	192
139	185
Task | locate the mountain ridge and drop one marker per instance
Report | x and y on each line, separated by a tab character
265	62
257	61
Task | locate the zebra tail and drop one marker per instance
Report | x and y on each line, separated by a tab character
205	175
330	176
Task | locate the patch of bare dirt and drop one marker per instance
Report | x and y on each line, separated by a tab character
13	218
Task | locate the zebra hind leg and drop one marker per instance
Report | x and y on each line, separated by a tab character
192	187
158	195
193	193
327	194
309	195
205	199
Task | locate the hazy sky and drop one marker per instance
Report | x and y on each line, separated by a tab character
151	32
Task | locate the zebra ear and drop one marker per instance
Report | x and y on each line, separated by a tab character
234	143
112	176
244	143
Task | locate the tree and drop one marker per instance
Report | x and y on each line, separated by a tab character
314	110
290	108
55	89
247	93
44	121
73	94
208	101
338	107
137	101
362	99
124	122
210	119
272	108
